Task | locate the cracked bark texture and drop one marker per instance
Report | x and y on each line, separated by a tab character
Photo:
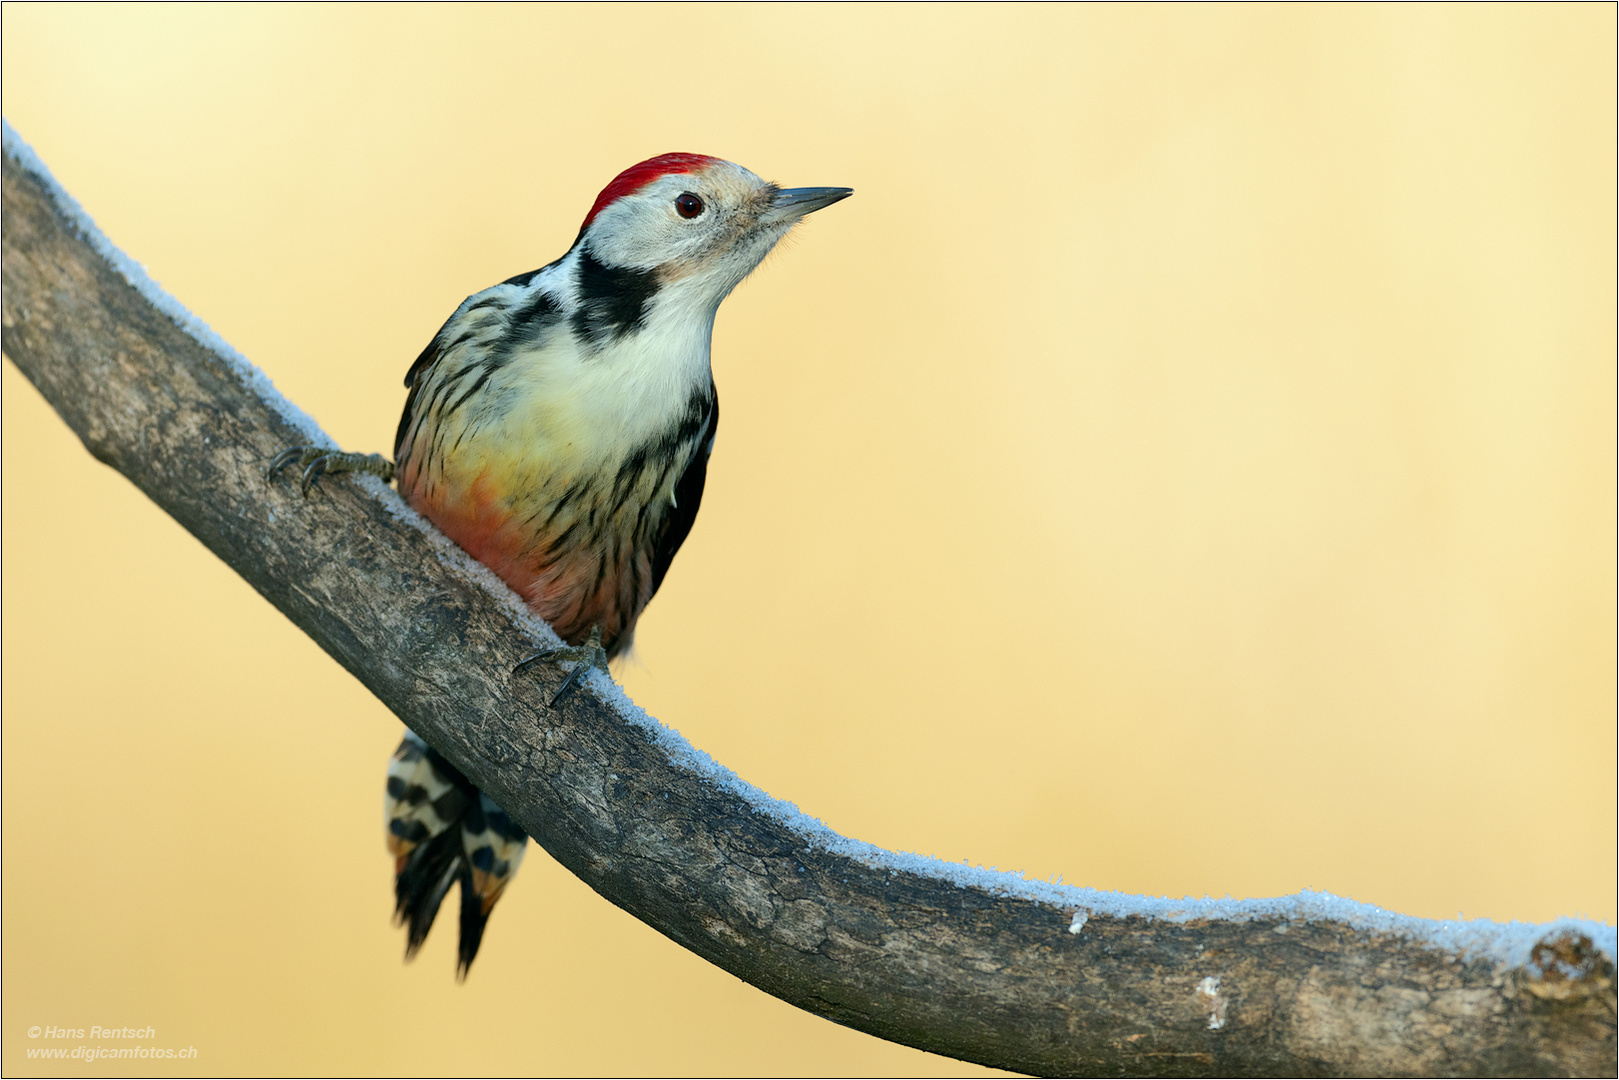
961	971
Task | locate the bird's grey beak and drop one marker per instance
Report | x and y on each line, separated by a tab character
793	203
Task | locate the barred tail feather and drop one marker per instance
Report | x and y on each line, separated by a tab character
442	830
421	884
474	917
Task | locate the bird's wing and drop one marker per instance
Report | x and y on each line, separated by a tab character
510	310
413	381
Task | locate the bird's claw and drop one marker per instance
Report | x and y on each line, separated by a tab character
288	456
586	656
315	460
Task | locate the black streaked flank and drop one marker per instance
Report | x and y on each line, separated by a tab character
688	494
613	300
555	508
629	475
560	543
486	369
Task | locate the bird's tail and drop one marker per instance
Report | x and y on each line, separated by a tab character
442	830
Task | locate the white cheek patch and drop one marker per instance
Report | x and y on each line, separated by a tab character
645	229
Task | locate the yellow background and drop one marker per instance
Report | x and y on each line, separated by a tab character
1186	465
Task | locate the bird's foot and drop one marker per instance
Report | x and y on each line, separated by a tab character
315	460
584	657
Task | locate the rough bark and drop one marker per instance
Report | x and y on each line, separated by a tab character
973	972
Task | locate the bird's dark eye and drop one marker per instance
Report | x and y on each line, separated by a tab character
688	205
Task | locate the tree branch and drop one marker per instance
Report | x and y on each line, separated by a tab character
987	967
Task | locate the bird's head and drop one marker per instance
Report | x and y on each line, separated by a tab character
695	221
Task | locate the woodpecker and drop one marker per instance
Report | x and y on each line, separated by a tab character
558	428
